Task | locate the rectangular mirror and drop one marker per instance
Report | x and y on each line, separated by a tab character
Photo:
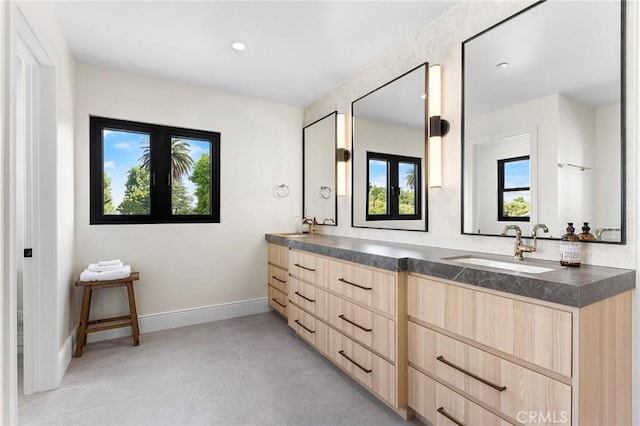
543	113
319	145
389	155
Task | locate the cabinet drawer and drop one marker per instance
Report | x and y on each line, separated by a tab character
278	278
534	333
308	267
363	325
368	368
371	287
308	297
440	405
515	389
277	255
278	300
307	326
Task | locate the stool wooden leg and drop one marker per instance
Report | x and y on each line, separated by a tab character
135	331
84	321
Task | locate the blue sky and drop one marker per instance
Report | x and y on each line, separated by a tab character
516	174
378	173
123	149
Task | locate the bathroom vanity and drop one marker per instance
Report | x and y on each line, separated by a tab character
431	333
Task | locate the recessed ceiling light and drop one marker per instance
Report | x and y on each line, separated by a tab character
238	45
502	65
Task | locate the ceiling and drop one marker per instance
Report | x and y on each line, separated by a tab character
296	52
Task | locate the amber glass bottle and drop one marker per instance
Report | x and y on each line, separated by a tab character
586	235
570	247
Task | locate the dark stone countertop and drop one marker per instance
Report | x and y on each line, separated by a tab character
569	286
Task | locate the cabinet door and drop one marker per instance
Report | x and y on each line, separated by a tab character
363	325
308	267
277	255
501	384
537	334
369	369
277	278
278	300
373	288
308	297
442	406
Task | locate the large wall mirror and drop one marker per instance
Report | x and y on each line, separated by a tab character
543	113
319	199
388	162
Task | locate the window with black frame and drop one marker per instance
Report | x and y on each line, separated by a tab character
514	189
393	187
146	173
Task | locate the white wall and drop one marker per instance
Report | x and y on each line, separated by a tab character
386	138
4	323
607	158
187	266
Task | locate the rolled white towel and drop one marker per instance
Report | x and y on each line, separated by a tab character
123	272
109	262
96	267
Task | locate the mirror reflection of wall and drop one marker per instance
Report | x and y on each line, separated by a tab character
319	151
389	155
546	84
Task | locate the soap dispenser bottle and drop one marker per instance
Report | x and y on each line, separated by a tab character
570	247
586	235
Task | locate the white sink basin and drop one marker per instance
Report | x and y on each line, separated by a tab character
516	267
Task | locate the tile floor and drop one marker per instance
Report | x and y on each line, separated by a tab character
244	371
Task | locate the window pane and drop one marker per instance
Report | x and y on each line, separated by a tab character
517	204
378	187
126	180
190	176
407	181
516	174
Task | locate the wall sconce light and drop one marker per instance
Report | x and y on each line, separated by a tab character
437	127
342	155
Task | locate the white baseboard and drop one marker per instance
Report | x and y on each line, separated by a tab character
64	356
168	320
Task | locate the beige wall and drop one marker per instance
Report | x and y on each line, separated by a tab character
187	266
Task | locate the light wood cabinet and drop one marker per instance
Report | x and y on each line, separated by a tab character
439	405
522	360
361	312
278	278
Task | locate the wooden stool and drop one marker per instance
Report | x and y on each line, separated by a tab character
106	323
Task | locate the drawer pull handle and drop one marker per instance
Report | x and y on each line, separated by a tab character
276	300
302	325
353	284
305	297
462	370
343	318
278	279
356	364
304	267
442	411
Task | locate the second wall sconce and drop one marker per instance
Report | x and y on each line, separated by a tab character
342	155
438	127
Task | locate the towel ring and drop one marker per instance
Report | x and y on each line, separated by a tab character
282	190
325	192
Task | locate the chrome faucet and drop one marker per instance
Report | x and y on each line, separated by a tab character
601	231
518	246
311	222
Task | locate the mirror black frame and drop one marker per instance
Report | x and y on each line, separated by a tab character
424	171
623	134
335	177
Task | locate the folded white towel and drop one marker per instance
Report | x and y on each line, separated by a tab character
96	267
109	262
123	272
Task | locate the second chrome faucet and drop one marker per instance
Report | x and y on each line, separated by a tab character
519	247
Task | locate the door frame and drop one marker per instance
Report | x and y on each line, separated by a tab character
41	298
